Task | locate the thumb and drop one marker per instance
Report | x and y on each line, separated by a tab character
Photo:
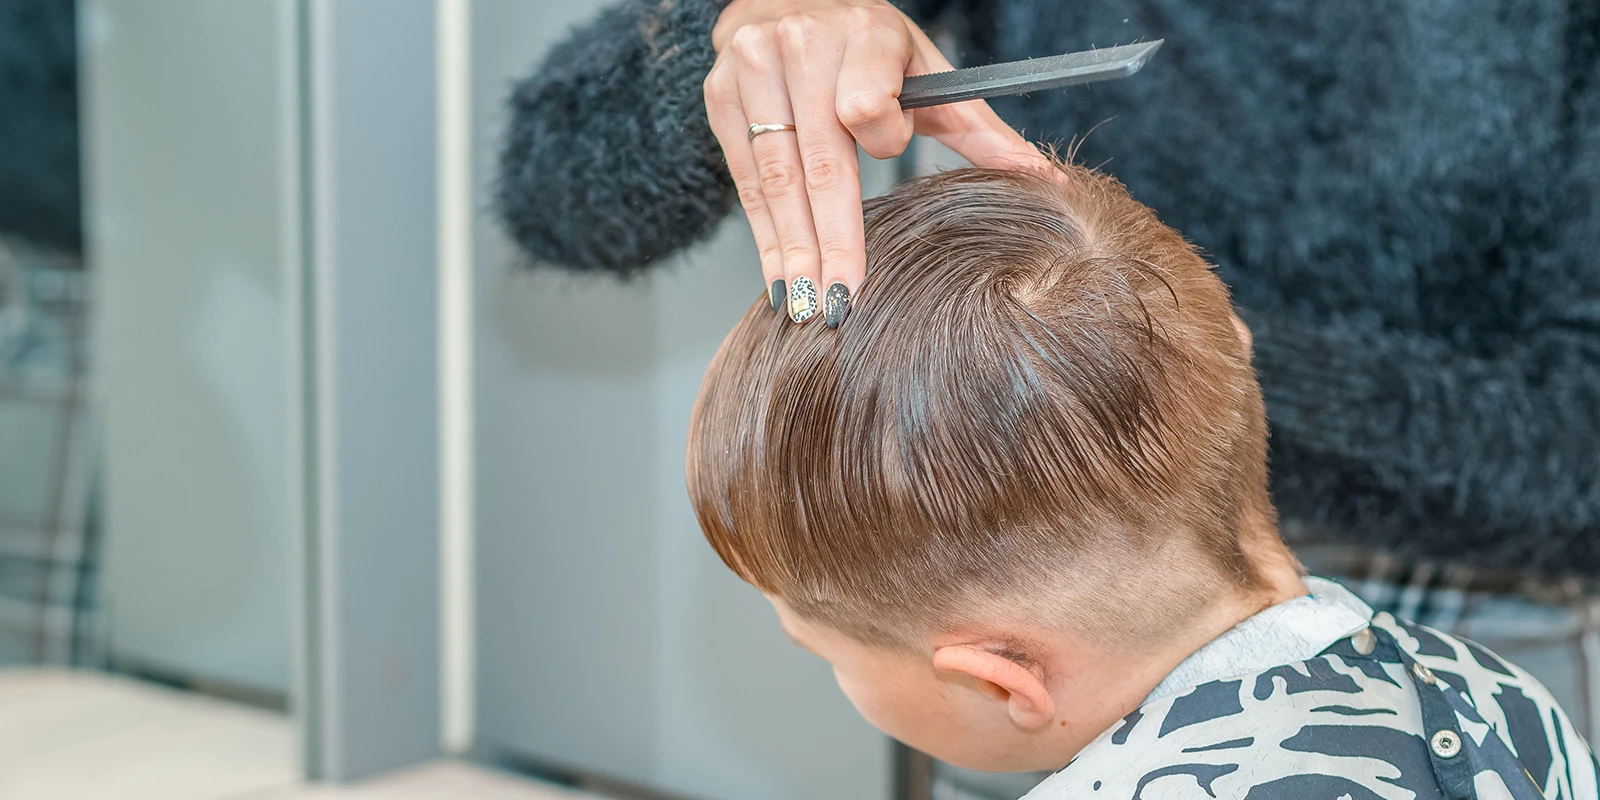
970	128
981	137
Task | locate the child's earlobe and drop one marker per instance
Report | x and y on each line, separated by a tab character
1030	714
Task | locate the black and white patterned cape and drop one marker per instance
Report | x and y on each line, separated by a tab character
1394	712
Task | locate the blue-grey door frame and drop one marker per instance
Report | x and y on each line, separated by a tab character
367	672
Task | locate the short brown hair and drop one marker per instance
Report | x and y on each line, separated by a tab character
1040	386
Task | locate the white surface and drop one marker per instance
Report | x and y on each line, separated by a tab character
443	780
82	735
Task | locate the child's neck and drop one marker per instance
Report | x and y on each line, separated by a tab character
1276	564
1280	573
1125	683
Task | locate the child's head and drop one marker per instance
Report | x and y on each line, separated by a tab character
1036	448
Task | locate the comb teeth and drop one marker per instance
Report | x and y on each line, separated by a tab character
1034	74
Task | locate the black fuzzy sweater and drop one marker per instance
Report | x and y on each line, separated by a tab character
1402	193
39	180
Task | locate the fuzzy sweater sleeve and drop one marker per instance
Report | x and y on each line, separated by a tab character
39	169
607	161
1397	440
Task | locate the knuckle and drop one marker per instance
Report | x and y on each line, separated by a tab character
860	110
750	46
887	142
835	253
871	18
798	257
798	32
895	41
751	197
860	17
779	177
717	89
894	44
824	173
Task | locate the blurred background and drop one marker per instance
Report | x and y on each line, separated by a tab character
308	488
300	479
303	478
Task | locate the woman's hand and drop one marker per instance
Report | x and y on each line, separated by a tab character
832	69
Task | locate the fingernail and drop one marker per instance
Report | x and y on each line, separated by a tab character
836	305
778	296
802	299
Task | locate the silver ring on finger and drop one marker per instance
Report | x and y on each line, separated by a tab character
756	129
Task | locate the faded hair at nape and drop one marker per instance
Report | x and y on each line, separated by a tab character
1038	400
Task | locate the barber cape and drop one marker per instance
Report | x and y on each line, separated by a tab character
1318	699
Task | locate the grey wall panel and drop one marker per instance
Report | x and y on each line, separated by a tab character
184	163
372	661
610	637
262	215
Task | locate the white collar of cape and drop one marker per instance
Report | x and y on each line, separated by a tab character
1288	633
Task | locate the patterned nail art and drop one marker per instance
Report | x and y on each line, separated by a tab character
835	305
802	299
777	295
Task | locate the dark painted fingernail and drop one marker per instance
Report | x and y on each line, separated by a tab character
802	299
836	305
779	296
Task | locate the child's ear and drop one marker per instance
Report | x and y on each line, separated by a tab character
1027	699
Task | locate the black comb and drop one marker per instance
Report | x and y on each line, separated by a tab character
1017	77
